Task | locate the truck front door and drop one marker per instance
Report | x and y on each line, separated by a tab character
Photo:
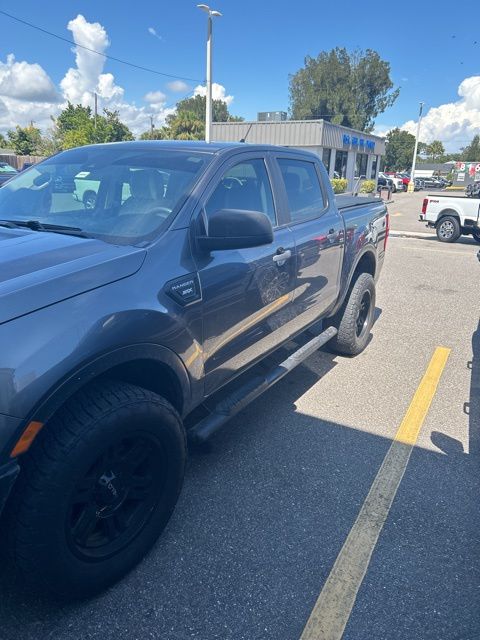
247	293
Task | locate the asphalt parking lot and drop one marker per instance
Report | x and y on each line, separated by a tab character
266	510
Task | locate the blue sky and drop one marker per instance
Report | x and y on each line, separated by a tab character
258	44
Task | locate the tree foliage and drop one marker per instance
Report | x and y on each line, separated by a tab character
435	150
471	153
399	150
197	105
349	89
188	121
25	141
77	126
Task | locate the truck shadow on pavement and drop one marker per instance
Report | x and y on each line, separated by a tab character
261	520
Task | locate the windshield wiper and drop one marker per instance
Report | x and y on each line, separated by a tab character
36	225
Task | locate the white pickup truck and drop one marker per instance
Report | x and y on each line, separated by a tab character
452	217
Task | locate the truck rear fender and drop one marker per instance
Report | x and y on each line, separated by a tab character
448	212
366	262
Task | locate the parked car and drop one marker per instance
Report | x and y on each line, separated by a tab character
451	217
473	189
115	326
396	183
6	172
384	181
432	183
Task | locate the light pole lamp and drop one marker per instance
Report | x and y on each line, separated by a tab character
411	184
208	103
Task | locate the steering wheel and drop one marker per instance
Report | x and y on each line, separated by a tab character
230	182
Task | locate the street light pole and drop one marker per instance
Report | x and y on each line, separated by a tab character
411	184
208	101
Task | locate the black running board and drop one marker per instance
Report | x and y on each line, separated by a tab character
253	388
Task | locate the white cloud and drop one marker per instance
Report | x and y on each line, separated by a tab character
25	81
153	32
27	93
454	123
218	92
177	86
155	97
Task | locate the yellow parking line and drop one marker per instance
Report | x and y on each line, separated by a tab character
337	598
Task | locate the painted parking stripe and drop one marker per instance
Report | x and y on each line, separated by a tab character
337	598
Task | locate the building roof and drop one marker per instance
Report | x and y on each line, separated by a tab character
292	133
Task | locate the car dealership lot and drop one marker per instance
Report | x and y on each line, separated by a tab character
266	510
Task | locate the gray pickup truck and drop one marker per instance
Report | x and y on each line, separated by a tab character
119	318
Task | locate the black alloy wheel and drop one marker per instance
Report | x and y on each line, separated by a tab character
114	500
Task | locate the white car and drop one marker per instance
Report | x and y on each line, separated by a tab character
397	182
452	217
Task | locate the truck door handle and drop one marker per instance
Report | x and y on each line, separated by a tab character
281	256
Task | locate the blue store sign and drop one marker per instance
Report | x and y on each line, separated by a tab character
359	143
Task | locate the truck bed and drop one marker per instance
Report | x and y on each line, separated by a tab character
344	202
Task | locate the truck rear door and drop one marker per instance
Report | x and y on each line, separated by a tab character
319	234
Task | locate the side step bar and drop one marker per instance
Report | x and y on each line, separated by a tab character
253	388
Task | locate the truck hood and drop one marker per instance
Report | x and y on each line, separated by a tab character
38	268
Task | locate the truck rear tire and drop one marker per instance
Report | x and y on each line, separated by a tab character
448	229
355	318
96	489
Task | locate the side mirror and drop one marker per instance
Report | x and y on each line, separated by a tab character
236	229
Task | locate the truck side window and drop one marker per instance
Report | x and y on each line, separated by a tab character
305	198
244	186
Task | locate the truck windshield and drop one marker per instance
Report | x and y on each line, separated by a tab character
123	195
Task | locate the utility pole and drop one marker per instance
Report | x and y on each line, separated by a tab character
411	184
95	110
152	127
208	103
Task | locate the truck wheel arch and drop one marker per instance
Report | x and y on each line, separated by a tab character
366	262
150	366
447	212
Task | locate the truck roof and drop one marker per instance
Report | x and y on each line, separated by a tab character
204	147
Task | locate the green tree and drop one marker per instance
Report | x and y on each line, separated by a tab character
109	128
350	89
435	150
471	153
399	149
25	141
76	126
3	141
197	104
186	126
155	134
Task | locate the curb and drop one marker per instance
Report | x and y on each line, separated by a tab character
411	234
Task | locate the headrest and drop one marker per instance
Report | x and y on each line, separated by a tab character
147	184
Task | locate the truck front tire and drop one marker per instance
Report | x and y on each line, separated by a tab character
355	318
448	229
96	489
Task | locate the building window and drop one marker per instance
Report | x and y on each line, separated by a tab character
326	157
341	158
373	173
361	165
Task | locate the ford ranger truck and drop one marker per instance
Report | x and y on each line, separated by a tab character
120	316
